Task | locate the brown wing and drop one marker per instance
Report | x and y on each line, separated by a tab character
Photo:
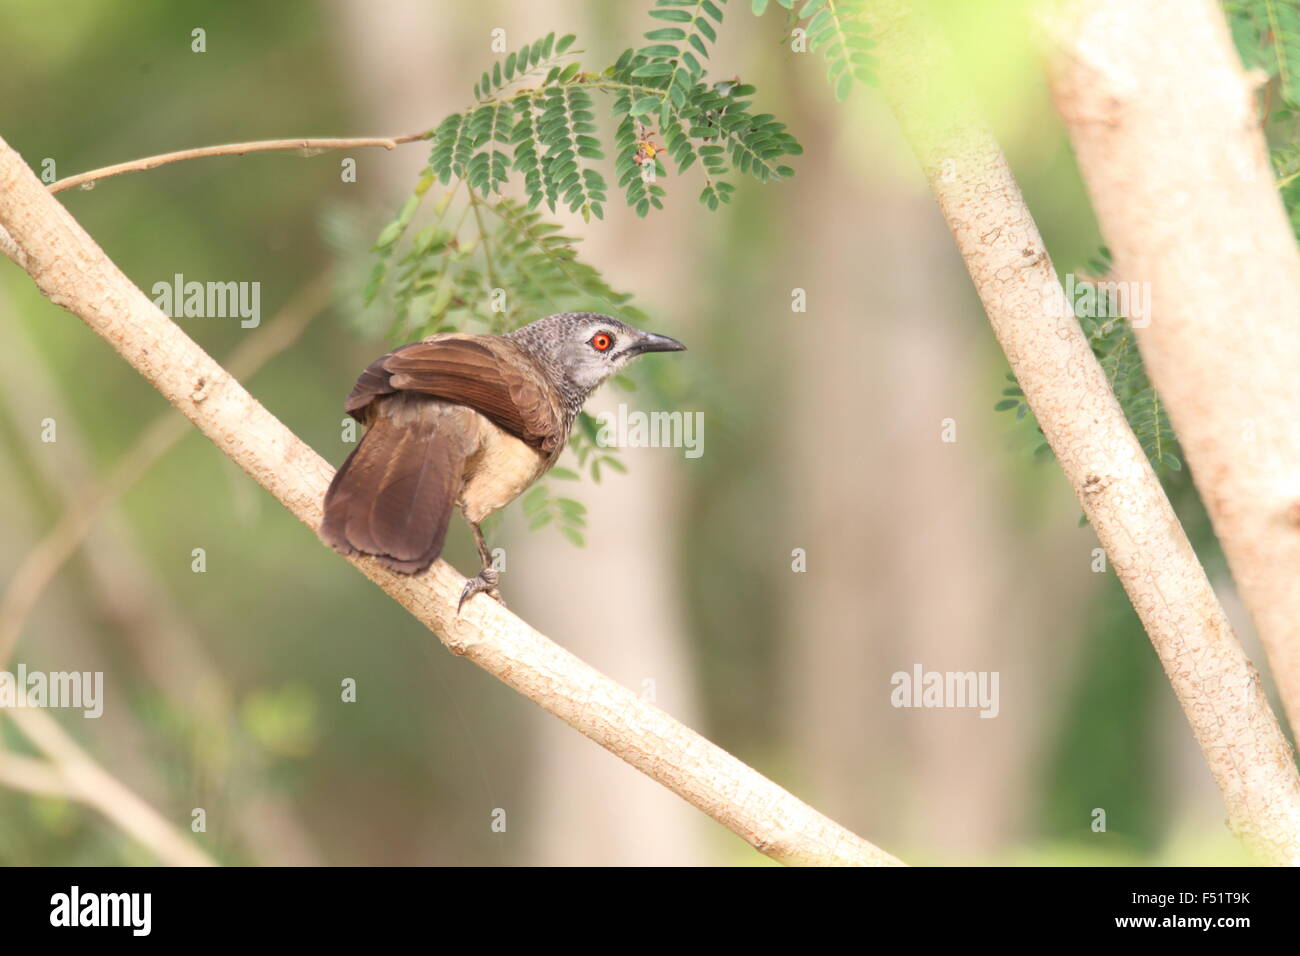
488	374
394	495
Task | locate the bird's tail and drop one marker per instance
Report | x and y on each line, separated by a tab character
393	496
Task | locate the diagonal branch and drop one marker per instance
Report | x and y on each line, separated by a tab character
73	272
1215	683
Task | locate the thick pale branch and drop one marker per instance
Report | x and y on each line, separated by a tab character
1164	122
74	273
9	249
1214	681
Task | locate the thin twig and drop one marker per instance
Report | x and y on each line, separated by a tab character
484	239
230	149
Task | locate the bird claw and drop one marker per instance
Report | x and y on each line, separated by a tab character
486	582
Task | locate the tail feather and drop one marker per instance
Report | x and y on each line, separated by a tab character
393	496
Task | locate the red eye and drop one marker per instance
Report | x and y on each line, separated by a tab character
601	341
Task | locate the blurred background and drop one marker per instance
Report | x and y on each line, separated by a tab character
823	431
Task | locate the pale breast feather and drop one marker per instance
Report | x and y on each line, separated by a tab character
500	470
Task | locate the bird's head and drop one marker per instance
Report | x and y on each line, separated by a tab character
580	350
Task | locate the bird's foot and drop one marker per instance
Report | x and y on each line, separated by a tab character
485	581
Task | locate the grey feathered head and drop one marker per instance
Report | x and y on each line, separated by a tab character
580	350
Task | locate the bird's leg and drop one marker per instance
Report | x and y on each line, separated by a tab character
486	579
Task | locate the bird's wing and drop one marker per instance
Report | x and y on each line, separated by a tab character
488	374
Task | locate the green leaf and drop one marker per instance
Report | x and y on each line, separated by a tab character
671	15
657	68
535	500
644	105
570	507
389	235
376	280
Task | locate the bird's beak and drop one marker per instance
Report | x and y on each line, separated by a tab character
650	342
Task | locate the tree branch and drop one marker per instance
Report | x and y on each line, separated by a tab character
74	273
33	776
1166	131
229	149
75	774
1216	685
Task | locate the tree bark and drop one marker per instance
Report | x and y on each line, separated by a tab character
1168	139
1215	683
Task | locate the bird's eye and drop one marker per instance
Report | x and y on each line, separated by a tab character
602	341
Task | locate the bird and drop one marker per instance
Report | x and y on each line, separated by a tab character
469	421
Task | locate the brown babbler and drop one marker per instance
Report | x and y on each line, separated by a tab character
469	421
